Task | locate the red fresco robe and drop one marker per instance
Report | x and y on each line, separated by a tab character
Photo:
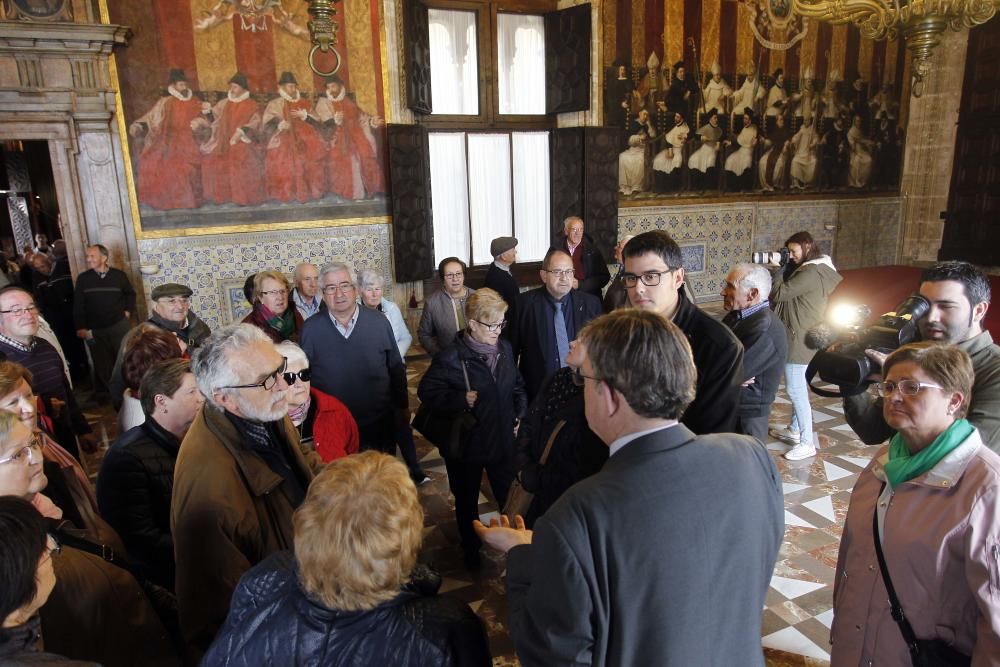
354	169
294	166
232	171
170	162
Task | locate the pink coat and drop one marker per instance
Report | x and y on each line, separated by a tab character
941	539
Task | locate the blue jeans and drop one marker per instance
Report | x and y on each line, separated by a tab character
798	394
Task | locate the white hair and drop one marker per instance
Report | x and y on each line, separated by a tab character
333	267
569	221
755	275
370	278
292	352
217	363
295	273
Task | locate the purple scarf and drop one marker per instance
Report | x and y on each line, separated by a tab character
489	353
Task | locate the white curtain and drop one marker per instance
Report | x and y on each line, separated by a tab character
450	195
531	194
521	61
454	75
489	192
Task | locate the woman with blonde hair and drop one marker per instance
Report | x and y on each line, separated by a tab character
351	593
477	373
273	312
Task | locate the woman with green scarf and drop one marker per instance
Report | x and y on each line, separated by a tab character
273	312
932	500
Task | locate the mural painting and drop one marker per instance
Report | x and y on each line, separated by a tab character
738	96
228	125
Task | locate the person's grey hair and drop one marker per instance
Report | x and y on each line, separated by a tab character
336	266
295	272
569	221
216	362
369	278
755	275
292	352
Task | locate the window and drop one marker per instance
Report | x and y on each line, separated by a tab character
454	62
489	184
521	64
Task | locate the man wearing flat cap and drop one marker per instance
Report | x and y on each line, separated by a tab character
500	278
170	307
294	165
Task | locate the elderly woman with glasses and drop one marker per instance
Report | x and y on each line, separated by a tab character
273	312
922	522
477	373
323	422
351	593
444	310
97	610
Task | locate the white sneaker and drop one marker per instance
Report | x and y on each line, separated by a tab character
784	434
800	451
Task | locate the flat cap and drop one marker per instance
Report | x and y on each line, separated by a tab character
170	289
502	244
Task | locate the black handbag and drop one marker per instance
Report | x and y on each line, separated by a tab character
923	652
445	429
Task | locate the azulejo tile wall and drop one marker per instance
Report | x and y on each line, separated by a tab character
216	266
856	232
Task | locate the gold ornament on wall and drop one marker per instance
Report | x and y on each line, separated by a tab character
919	22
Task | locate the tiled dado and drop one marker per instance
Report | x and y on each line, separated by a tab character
215	267
856	232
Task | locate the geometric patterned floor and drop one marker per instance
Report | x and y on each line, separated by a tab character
796	622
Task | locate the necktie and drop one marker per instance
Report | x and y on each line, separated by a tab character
562	340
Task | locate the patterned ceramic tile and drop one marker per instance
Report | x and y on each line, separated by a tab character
216	266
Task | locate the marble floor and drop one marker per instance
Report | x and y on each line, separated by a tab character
798	613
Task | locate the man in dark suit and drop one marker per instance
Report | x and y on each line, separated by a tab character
542	344
603	580
765	344
654	279
499	277
591	271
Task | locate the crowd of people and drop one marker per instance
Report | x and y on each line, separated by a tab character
252	509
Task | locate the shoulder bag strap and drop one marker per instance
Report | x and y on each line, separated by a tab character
465	373
102	551
552	439
897	609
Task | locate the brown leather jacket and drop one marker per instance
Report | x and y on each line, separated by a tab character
229	511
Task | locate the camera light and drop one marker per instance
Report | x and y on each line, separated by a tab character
848	315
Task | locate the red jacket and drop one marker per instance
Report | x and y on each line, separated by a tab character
334	431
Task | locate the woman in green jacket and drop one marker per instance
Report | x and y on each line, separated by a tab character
799	293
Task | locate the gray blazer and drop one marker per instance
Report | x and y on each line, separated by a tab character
437	324
662	558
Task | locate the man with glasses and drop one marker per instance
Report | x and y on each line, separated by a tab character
550	317
676	535
20	343
654	279
959	294
354	357
240	475
171	311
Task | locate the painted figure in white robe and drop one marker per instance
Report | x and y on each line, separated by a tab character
668	162
804	160
861	155
717	92
740	160
772	163
704	160
632	161
750	94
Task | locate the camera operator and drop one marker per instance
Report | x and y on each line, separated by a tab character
959	295
800	293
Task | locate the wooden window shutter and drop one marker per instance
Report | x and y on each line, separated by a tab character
417	51
412	217
567	60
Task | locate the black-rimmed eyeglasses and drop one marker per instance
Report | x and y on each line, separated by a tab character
648	278
305	375
493	327
267	383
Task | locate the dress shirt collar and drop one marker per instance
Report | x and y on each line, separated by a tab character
747	312
346	331
18	344
625	439
500	265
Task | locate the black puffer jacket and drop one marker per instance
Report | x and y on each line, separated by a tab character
133	493
272	622
501	399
